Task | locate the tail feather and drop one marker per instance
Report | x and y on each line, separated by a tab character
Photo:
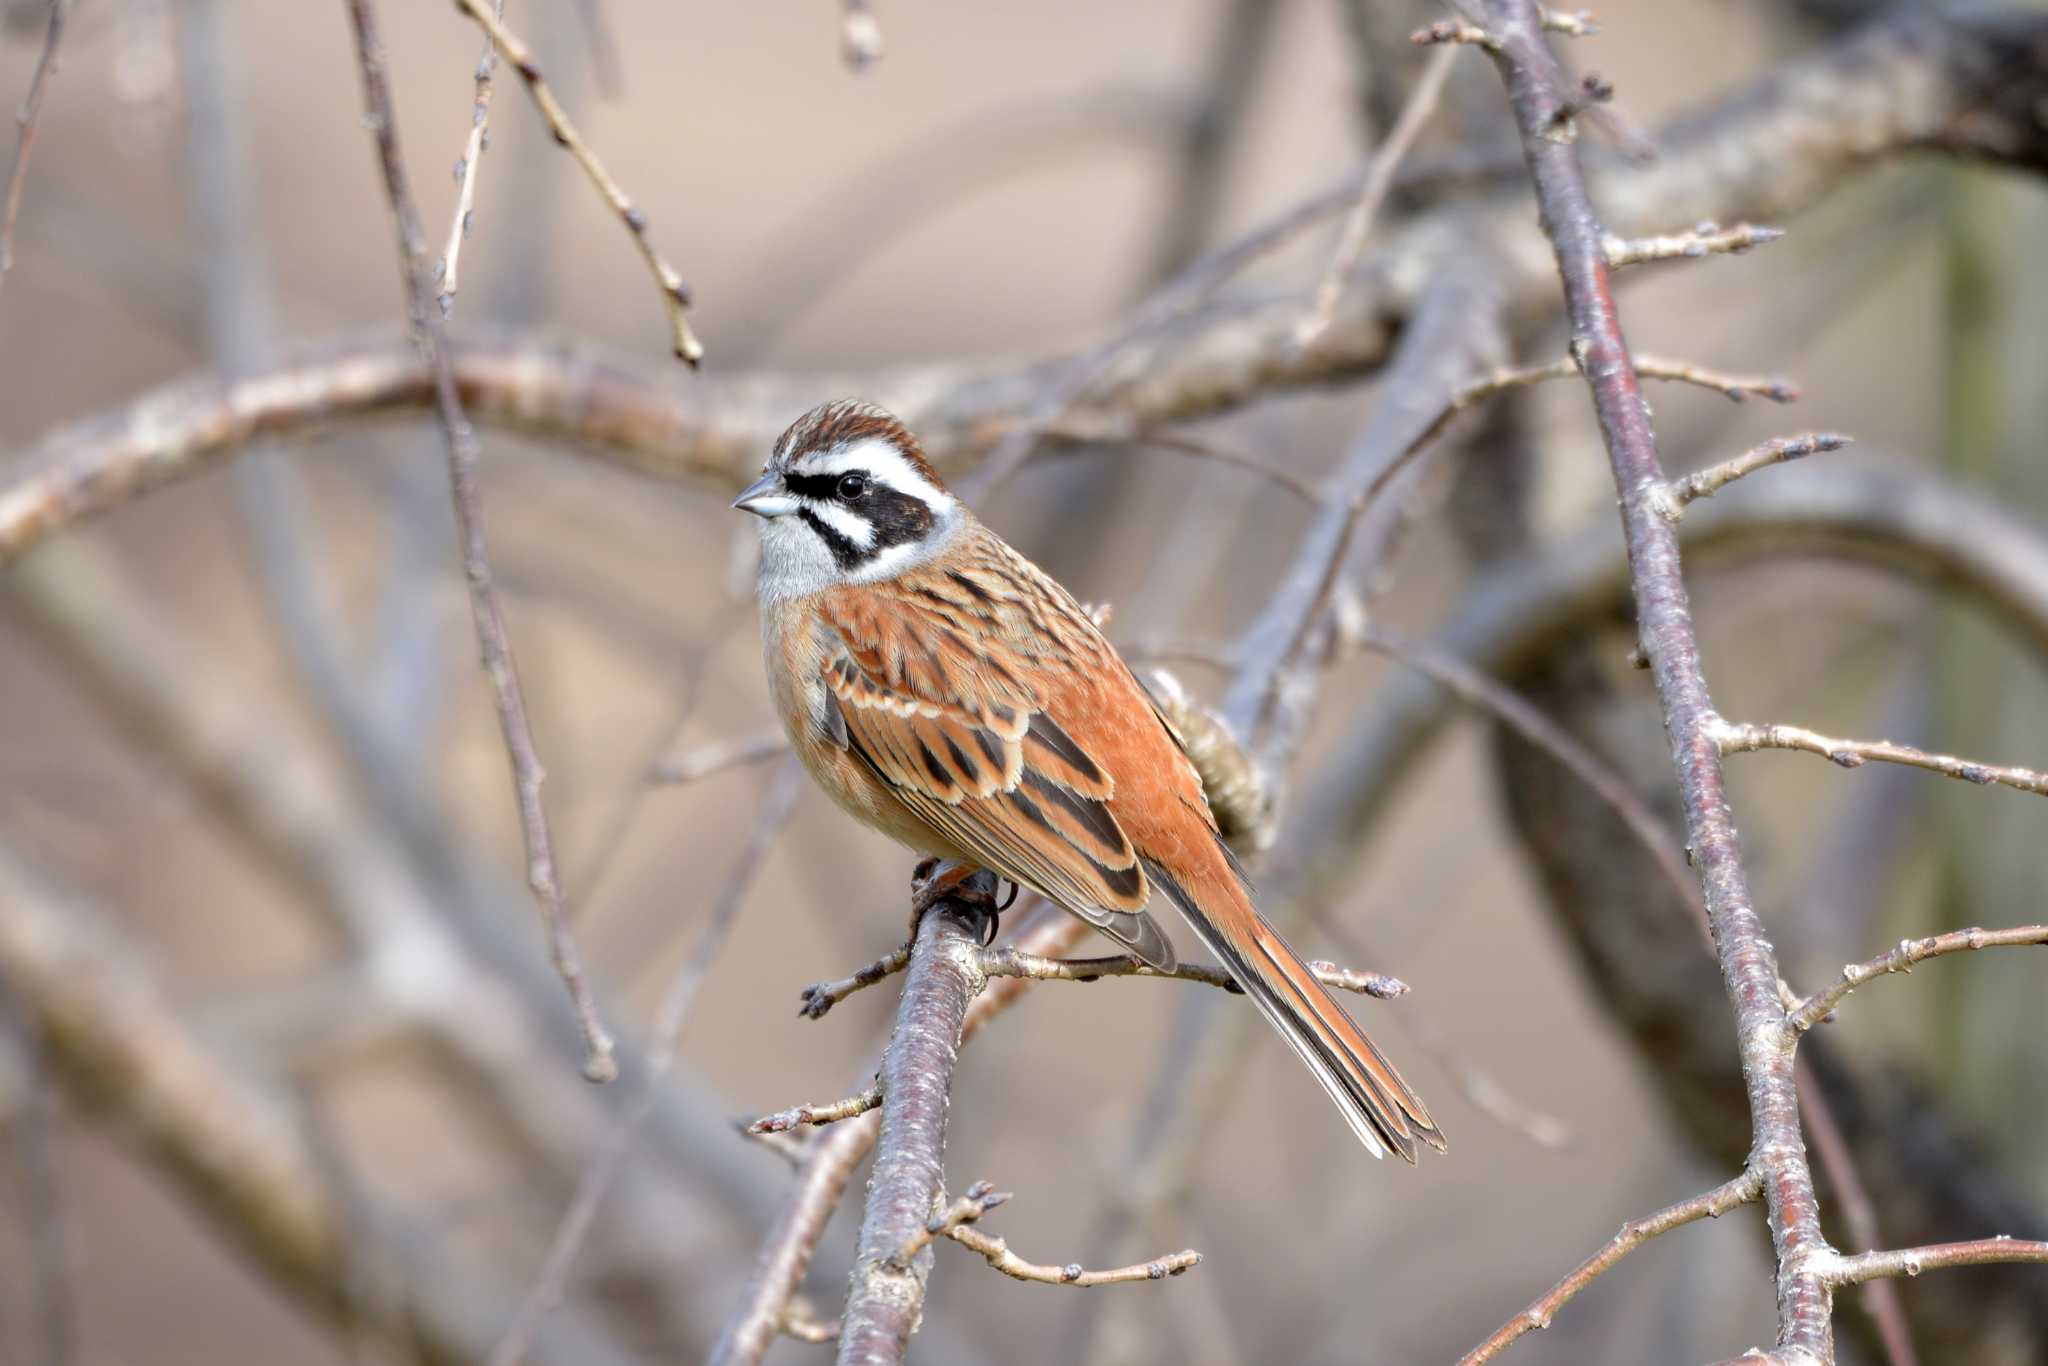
1379	1106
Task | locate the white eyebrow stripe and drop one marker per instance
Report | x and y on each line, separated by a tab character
880	458
846	522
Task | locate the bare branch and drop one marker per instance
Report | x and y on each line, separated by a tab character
828	1169
1743	1190
1735	388
1909	953
820	997
1749	965
1011	962
674	1011
1707	482
956	1223
1708	239
1379	178
739	752
1936	1257
1455	31
493	641
1744	739
675	295
798	1116
887	1298
466	169
25	121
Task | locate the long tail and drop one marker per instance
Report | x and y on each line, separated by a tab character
1379	1106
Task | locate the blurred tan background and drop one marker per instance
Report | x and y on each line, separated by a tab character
1005	182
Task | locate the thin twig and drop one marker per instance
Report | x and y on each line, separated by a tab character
1708	239
675	294
739	752
25	121
801	1321
1528	721
1819	1006
956	1223
1379	178
799	1116
1742	1190
1707	482
1735	388
666	1036
1733	738
493	641
1011	962
1934	1257
466	170
820	997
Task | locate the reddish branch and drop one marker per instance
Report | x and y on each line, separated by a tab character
1749	965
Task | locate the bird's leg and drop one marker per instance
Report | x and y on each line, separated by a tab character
935	880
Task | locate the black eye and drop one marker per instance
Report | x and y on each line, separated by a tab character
853	488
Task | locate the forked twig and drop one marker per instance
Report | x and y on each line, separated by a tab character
957	1220
674	293
493	641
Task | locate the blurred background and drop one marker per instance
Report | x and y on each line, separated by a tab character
248	764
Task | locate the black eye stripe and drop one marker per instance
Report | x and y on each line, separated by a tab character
894	517
820	487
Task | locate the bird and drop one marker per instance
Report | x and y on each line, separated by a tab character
944	690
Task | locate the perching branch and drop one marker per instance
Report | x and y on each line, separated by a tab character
944	976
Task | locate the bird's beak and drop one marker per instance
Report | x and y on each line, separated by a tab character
765	498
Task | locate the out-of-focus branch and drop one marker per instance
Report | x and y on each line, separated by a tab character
675	295
493	640
25	122
609	1161
125	1055
1964	84
1379	178
1736	738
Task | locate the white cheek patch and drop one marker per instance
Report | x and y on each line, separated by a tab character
888	562
845	521
882	461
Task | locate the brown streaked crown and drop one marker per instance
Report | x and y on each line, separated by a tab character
844	421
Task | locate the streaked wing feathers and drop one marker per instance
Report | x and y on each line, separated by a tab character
970	747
